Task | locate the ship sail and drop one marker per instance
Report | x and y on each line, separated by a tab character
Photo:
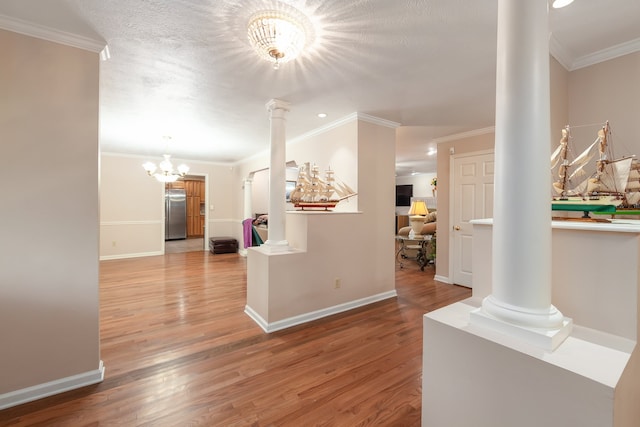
582	160
614	177
612	186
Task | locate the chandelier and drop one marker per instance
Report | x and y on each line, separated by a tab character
278	36
166	173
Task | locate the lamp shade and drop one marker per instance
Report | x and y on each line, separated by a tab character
418	207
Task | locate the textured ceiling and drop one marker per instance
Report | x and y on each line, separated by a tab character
186	69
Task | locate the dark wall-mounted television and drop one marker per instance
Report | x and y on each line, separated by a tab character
404	193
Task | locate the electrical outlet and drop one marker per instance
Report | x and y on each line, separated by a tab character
337	283
113	243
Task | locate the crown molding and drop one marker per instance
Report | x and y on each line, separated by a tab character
560	53
50	34
616	51
462	135
377	120
347	119
322	129
173	158
571	63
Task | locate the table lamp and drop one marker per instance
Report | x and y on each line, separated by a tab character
417	214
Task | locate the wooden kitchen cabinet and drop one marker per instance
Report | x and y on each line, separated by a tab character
195	197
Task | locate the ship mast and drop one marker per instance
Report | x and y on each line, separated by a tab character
561	183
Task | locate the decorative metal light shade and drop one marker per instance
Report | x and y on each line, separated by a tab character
166	173
276	36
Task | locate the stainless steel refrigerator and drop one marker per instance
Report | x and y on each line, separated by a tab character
175	209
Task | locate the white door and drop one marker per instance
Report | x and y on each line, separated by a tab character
472	198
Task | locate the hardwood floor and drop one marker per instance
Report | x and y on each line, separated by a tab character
192	244
179	351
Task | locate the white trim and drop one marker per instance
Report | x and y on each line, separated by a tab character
225	221
51	34
442	279
50	388
571	63
314	315
256	318
153	156
141	222
317	131
135	255
472	154
606	54
377	120
462	135
347	119
560	53
322	129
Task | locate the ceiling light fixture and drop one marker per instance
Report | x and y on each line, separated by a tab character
432	151
166	174
322	115
278	36
557	4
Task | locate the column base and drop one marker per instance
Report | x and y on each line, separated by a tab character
275	246
504	382
538	331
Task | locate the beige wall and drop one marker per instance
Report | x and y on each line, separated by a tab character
49	223
611	91
132	205
336	148
559	82
354	244
607	91
559	118
131	209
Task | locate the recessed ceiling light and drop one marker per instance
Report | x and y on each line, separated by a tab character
557	4
431	151
322	115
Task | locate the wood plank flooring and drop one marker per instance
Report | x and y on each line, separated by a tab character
179	351
192	244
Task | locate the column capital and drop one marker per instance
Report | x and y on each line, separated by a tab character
277	104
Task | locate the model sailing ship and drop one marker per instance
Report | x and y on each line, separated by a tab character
314	192
613	187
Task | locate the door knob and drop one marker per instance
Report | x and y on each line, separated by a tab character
457	227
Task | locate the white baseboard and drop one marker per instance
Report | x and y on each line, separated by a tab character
314	315
61	385
442	279
125	256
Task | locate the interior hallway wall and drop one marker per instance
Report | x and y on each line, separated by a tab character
49	246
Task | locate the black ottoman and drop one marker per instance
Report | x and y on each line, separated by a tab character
223	245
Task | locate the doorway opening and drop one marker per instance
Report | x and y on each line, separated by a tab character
186	214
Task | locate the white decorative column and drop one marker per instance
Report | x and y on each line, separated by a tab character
277	177
247	189
247	186
520	302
